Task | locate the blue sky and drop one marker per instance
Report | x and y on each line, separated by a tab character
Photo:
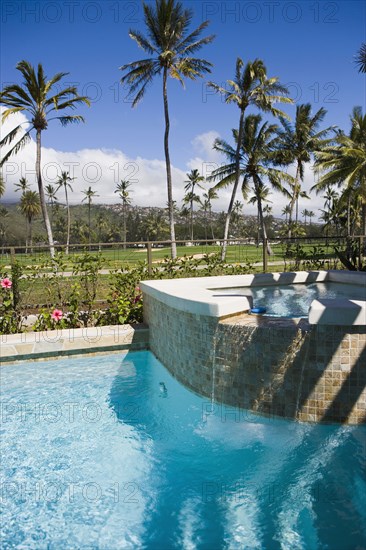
309	45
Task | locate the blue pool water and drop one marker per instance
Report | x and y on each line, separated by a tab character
112	453
294	300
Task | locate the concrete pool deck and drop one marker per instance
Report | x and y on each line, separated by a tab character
60	343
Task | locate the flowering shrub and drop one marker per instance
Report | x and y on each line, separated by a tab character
71	301
6	283
10	319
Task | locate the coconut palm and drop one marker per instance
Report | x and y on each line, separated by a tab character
286	211
256	156
50	192
89	194
311	214
343	163
170	45
305	214
156	226
64	181
35	98
261	195
30	207
22	186
185	214
250	86
101	224
124	195
361	58
210	196
296	144
193	181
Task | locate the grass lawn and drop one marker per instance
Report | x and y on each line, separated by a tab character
117	257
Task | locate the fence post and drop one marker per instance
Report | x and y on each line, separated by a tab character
265	255
149	258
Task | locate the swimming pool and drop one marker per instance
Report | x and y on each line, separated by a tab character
112	452
294	300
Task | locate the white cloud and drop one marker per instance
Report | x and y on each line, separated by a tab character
102	169
203	144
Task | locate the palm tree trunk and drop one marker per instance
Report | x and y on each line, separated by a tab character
124	225
192	216
68	222
27	235
212	231
294	200
30	236
89	222
42	196
348	216
235	188
168	167
263	226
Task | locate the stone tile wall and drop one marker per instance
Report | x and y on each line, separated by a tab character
282	367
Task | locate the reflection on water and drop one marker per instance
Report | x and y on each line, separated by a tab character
153	465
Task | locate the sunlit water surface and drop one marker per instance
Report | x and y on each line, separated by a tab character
112	452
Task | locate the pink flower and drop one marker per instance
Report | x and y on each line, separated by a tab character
6	283
56	315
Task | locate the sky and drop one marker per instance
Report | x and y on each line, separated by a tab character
309	45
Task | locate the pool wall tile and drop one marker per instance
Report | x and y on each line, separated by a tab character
281	367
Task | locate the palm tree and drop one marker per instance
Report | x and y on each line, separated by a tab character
286	211
257	153
22	186
210	196
124	195
89	194
361	58
305	214
311	214
156	226
101	223
34	98
193	181
185	214
250	86
344	163
50	192
297	142
30	207
260	196
64	181
171	46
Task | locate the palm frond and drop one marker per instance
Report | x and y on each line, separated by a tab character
16	148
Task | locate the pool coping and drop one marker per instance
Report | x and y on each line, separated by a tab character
70	342
196	295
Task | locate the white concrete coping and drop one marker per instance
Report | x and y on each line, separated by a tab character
71	341
337	312
196	295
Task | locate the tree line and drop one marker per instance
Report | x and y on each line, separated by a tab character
259	155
